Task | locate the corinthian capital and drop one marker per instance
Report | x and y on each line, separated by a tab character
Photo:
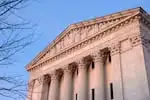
67	69
31	84
81	63
98	56
55	75
43	79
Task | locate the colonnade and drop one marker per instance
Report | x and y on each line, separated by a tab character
67	73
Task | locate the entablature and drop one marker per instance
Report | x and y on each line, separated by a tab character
107	27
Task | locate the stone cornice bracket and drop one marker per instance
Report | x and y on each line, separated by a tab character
115	48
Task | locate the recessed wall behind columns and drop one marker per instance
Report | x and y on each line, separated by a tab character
135	84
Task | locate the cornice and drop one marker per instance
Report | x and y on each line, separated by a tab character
88	40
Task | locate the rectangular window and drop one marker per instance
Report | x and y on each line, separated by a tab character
76	96
93	94
111	91
93	65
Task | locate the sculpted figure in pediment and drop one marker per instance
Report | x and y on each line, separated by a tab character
70	38
84	32
93	29
52	51
77	35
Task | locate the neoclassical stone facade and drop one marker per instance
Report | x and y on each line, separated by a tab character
107	58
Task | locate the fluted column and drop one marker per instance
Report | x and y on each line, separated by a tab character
99	76
68	92
54	87
82	82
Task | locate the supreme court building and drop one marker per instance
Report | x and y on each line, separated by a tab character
106	58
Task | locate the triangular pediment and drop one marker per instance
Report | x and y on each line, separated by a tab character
77	32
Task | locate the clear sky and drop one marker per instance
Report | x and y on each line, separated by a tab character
53	16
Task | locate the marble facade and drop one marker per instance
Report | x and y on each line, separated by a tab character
106	58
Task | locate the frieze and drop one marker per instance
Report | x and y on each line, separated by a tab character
75	36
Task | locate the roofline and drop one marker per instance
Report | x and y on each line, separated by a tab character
83	24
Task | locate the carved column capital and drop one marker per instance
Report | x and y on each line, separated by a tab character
98	56
43	79
81	63
31	84
55	75
46	78
67	69
115	48
40	80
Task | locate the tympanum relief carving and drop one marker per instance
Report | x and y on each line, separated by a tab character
78	34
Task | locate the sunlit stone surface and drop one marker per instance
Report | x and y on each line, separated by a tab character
107	58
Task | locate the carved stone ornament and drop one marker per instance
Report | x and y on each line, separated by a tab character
56	75
81	63
111	24
97	56
31	84
46	78
115	48
135	40
67	69
40	80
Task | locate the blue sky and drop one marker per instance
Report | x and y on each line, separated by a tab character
53	16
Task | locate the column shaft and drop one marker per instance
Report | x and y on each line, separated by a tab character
68	92
54	88
40	90
82	82
117	72
99	77
30	89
